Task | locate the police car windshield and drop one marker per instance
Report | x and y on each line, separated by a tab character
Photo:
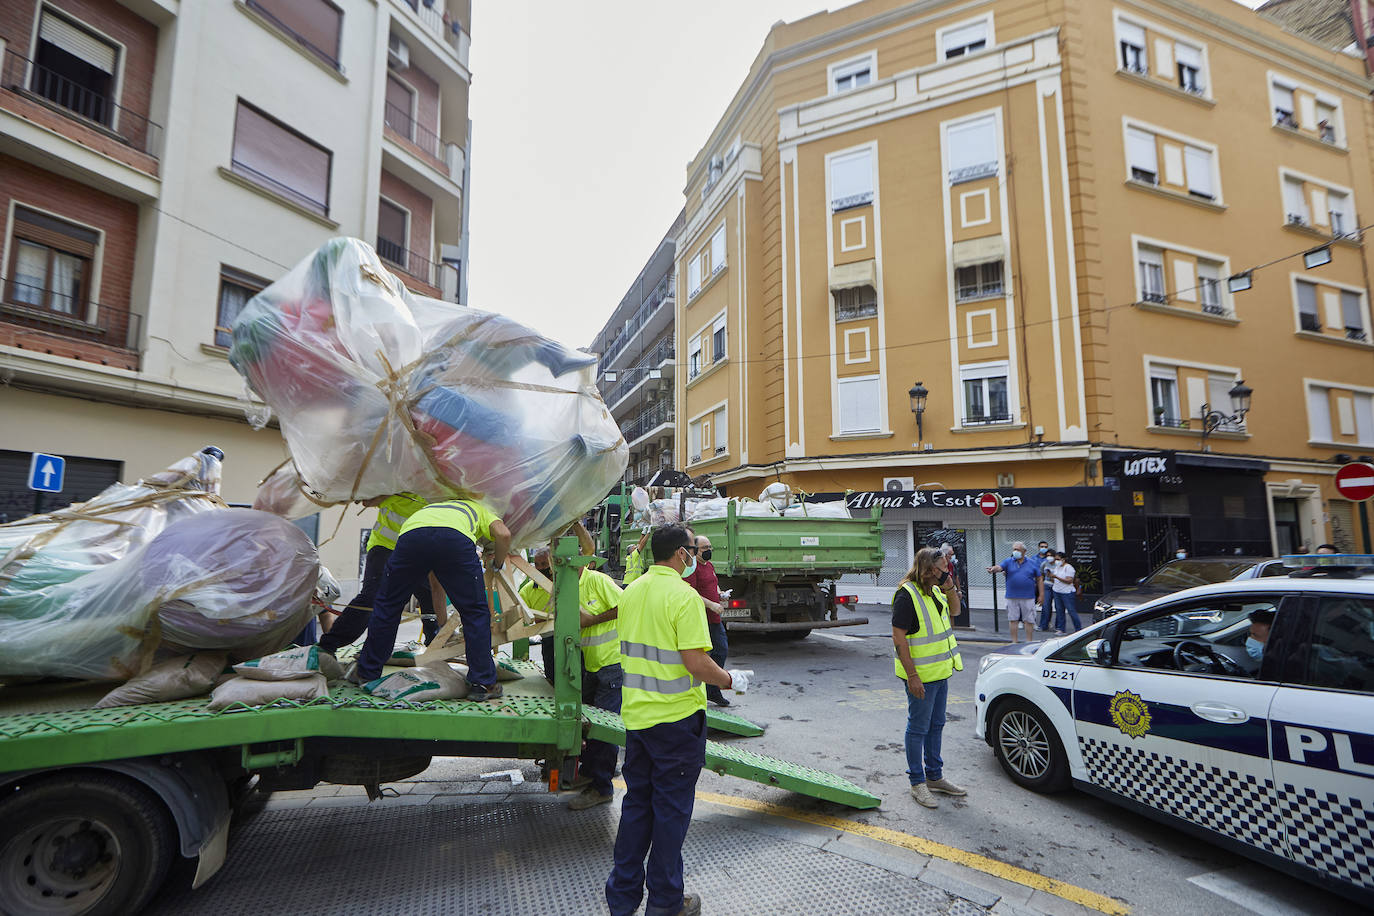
1182	574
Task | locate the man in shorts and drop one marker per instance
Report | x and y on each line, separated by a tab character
1025	589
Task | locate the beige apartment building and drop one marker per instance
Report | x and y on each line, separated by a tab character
637	366
944	247
160	162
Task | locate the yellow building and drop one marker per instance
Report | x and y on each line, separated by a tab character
1042	214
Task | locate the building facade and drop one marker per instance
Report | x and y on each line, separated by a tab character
944	247
637	351
160	162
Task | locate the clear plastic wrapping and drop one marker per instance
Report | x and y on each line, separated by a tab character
379	392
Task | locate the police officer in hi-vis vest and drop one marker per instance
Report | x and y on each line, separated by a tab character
663	651
441	539
392	513
926	657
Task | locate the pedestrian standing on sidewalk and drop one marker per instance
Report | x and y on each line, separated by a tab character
1047	561
663	649
926	657
704	580
1024	589
1064	588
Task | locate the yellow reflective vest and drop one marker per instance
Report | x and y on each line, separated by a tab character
391	515
466	516
660	615
634	566
933	649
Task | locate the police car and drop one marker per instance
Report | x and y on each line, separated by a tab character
1178	710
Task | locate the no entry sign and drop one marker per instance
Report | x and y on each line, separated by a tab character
990	503
1355	481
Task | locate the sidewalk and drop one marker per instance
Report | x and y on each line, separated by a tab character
984	629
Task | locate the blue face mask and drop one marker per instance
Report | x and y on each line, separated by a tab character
691	567
1254	648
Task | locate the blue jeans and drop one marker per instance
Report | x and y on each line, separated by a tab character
720	650
925	725
354	617
601	688
662	764
1066	601
1046	609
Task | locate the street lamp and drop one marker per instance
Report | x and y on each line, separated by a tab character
1317	257
1213	420
918	395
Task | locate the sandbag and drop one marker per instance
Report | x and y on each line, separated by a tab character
174	679
289	664
834	509
436	682
246	691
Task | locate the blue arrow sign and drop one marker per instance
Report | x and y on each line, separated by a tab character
46	472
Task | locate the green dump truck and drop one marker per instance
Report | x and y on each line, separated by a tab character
97	805
781	570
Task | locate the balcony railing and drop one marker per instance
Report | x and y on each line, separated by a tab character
441	25
660	413
1309	322
104	324
656	297
430	143
411	263
1169	422
1355	333
84	106
983	419
635	375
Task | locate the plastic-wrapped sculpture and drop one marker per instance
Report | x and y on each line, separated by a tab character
380	392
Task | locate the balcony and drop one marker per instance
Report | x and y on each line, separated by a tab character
986	419
51	100
34	318
418	272
636	375
650	419
444	156
661	292
442	27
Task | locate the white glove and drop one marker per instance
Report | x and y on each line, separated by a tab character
739	680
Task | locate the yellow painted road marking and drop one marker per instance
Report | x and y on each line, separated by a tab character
1071	892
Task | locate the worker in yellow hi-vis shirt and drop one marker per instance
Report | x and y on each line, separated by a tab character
663	650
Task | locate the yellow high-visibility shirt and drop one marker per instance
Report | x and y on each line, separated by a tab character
660	615
391	515
466	516
600	642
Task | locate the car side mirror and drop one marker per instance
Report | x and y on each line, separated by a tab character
1099	651
1141	580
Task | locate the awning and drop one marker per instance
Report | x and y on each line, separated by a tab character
859	273
978	251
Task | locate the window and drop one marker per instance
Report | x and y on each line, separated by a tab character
1308	319
978	281
1209	287
74	69
851	180
859	405
1151	263
856	302
964	39
1164	397
718	424
274	156
50	263
1222	621
1353	411
985	394
1319	414
718	339
1339	210
694	442
1281	100
718	250
235	289
1131	39
1142	156
1295	202
693	276
694	358
852	75
1197	165
1352	312
1326	121
400	107
973	151
1189	61
392	223
315	24
1341	654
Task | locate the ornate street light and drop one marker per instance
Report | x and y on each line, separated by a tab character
1213	420
918	395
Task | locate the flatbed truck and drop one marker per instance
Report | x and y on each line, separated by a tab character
98	805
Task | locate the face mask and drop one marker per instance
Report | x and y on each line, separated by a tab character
1016	554
706	554
1181	554
691	567
1254	648
1044	550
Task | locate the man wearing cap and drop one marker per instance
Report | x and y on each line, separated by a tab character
663	648
442	539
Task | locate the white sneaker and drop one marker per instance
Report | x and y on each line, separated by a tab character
923	796
945	786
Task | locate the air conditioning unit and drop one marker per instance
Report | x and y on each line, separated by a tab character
899	483
1006	480
397	53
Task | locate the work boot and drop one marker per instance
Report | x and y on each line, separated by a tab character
589	798
352	676
717	699
691	905
923	796
945	786
477	693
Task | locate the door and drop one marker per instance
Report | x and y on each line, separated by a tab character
1287	530
1192	743
1323	739
1165	534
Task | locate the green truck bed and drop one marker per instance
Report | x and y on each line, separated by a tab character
820	547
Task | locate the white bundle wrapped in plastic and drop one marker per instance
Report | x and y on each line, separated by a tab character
834	509
381	392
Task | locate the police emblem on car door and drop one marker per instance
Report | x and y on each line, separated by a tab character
1178	721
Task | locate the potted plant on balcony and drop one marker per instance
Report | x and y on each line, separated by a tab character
1159	416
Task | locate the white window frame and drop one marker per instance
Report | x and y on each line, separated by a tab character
844	157
1174	409
693	276
694	357
840	428
1122	21
848	69
1129	123
979	170
1295	278
1348	216
1152	361
1210	259
972	372
1200	71
989	37
718	327
1136	136
1310	385
1141	66
706	453
694	433
121	53
1152	256
720	423
982	290
1287	84
717	247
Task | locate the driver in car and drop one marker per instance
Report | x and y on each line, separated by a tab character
1260	622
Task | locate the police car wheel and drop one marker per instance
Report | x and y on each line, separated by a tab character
1028	748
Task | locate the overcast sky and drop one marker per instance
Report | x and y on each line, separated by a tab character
584	116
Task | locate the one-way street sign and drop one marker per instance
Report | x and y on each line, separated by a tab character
46	472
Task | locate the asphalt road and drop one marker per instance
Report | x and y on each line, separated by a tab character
832	701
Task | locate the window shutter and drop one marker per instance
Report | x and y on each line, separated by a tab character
55	233
391	222
963	37
973	143
1140	151
77	42
1198	166
282	156
1319	414
718	249
858	404
851	177
1188	56
1131	34
316	21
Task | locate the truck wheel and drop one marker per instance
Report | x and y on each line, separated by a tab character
90	843
1027	747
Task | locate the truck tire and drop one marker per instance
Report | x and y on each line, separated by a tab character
87	843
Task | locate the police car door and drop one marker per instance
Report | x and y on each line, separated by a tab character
1323	735
1190	743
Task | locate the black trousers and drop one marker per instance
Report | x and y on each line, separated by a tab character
353	621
